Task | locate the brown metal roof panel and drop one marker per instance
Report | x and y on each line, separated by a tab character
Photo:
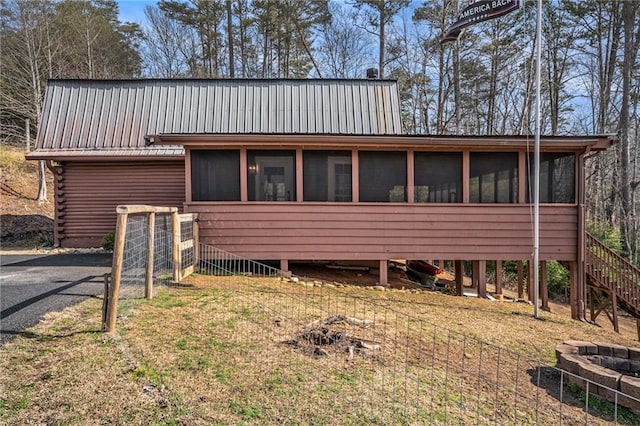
125	154
198	108
234	102
102	114
84	121
74	122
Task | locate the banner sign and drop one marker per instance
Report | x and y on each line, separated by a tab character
478	11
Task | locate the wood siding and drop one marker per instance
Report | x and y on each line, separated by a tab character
87	195
376	231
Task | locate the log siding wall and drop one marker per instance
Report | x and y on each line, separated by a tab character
378	231
88	192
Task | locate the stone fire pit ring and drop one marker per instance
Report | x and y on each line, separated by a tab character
613	367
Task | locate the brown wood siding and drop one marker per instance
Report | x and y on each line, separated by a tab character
86	204
350	231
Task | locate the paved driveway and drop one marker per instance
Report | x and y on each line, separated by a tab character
33	285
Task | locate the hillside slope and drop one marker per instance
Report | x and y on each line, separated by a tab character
24	222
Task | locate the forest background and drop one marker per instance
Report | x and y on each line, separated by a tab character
483	84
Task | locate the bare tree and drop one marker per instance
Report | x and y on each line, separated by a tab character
343	48
167	45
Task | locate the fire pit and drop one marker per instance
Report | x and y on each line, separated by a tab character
612	366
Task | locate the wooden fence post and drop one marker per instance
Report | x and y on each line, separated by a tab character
148	282
116	271
177	261
196	243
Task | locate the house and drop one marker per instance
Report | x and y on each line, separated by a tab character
292	170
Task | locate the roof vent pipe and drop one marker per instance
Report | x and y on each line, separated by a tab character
372	73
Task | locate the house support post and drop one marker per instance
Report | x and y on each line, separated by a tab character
544	286
284	267
520	280
459	271
573	289
384	272
614	311
482	279
475	272
498	293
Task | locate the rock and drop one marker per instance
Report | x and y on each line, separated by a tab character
320	352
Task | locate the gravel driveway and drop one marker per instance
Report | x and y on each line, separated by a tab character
33	285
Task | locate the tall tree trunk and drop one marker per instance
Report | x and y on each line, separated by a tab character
624	189
383	17
232	70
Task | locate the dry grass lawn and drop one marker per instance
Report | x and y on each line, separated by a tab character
232	351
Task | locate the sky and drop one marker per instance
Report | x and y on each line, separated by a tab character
133	10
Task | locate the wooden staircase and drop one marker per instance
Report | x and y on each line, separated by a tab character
612	282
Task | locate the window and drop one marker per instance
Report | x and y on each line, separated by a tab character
383	176
327	176
493	177
215	175
438	177
557	178
271	175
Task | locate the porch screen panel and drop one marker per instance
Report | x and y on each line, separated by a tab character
215	175
438	177
383	176
327	176
271	175
493	177
557	178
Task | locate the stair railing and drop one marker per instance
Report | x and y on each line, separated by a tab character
613	272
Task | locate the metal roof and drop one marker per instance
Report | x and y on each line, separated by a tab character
117	114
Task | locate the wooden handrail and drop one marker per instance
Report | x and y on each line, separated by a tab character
613	272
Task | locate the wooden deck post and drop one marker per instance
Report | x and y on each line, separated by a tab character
475	272
384	272
498	293
116	271
482	278
148	279
544	286
573	285
459	271
520	280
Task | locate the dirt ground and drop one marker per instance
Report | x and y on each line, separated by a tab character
399	281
